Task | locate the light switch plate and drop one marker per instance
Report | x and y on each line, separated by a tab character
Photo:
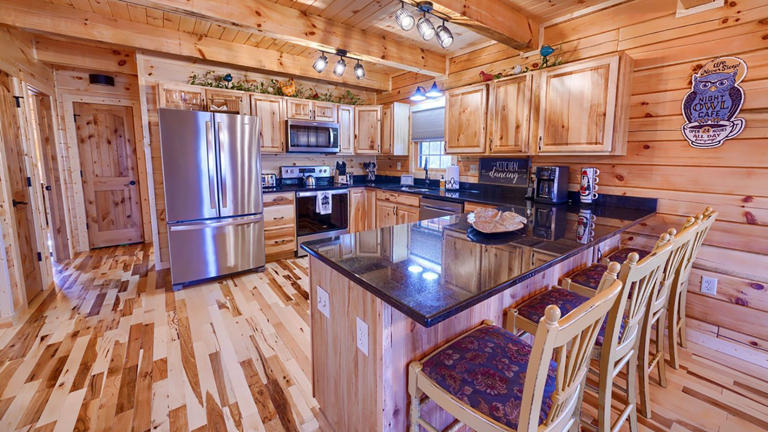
362	336
709	285
323	302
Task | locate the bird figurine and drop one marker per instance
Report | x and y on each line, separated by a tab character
545	52
485	76
288	87
228	78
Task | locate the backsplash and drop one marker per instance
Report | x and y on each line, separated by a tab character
271	163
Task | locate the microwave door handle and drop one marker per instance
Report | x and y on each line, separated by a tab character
211	164
223	173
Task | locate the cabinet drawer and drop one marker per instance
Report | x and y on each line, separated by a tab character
278	240
404	199
278	199
472	206
279	216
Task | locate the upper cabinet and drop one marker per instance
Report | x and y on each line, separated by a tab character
465	119
270	111
509	115
583	107
227	101
346	129
303	109
368	129
395	129
181	96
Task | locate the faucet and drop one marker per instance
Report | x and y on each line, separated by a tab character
426	171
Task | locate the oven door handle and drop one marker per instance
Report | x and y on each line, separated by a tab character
311	194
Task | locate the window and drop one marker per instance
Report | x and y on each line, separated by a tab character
432	153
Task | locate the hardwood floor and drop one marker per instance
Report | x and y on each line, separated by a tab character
114	348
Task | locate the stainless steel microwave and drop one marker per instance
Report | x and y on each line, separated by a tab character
306	136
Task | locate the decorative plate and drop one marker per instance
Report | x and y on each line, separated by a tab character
492	221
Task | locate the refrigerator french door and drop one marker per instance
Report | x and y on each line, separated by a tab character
213	204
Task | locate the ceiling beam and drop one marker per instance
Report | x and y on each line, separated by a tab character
66	21
495	19
268	18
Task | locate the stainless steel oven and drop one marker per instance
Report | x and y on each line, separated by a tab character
313	137
312	225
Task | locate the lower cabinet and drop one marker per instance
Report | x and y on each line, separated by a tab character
386	215
362	209
279	225
395	208
471	206
406	214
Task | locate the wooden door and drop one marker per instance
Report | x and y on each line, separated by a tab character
385	214
107	147
324	111
368	129
53	187
465	119
577	105
269	109
406	214
386	129
346	129
228	101
18	179
509	115
358	210
298	109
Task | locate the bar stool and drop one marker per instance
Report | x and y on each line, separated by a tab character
656	313
490	380
676	321
620	336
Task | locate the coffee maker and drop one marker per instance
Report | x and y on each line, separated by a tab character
551	184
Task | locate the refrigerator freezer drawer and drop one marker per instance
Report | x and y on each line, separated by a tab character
203	250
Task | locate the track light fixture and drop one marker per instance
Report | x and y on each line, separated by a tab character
320	63
424	25
359	71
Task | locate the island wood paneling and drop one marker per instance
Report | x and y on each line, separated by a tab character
659	163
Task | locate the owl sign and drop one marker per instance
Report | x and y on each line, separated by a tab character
711	107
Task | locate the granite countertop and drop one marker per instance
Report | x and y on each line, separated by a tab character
433	269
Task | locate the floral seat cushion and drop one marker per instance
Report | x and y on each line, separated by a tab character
486	370
622	254
590	277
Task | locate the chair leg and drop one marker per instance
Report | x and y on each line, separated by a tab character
672	335
645	377
681	317
604	397
576	426
661	363
415	395
632	393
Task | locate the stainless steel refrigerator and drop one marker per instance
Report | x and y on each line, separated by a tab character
213	203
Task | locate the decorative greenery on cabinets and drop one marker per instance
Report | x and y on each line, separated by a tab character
273	87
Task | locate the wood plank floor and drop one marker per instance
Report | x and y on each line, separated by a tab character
114	348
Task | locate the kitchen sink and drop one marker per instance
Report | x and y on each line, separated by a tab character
413	189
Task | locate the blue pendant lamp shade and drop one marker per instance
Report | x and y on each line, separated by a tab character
434	91
419	95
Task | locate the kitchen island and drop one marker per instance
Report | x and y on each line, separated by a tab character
382	298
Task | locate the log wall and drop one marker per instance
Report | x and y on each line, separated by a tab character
659	163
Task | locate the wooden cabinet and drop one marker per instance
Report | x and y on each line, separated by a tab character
346	129
362	209
269	109
465	119
181	96
395	129
395	208
368	129
227	101
471	206
386	215
279	225
303	109
406	214
509	115
583	106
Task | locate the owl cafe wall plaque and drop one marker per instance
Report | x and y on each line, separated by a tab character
712	106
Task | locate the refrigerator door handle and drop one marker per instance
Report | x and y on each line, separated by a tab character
211	163
219	127
228	222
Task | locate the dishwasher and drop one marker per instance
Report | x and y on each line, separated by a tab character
432	208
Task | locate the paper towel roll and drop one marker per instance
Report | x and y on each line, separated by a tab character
452	177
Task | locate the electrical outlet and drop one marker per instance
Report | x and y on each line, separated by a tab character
473	169
323	302
399	165
362	336
709	285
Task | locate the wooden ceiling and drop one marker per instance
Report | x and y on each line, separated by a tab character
358	23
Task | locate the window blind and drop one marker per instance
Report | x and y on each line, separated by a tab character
428	124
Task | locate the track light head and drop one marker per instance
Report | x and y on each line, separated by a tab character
434	91
320	63
359	71
419	95
444	36
425	27
340	67
404	19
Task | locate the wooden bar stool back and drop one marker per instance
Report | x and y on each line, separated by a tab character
676	309
657	310
546	399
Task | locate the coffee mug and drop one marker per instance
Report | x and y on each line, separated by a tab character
588	188
585	226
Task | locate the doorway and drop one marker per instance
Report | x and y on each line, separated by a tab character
20	184
108	167
54	198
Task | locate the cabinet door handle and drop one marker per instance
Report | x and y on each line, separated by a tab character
540	140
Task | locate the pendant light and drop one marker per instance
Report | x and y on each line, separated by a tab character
444	36
321	63
419	95
434	91
425	27
340	67
404	19
359	71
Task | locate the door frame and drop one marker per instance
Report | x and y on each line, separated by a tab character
79	234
